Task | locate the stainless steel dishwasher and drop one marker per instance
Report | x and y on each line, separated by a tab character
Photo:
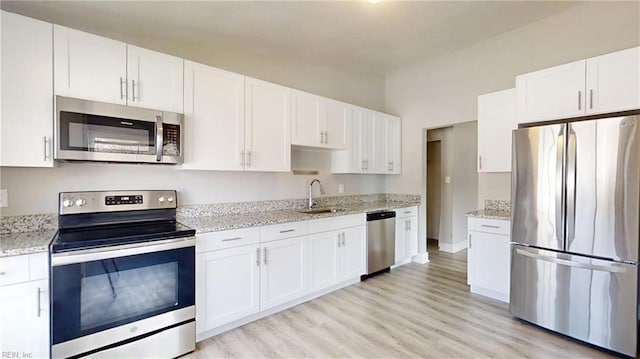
381	242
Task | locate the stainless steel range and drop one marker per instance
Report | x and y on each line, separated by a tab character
122	276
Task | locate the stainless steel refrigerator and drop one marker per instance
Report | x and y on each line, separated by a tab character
574	253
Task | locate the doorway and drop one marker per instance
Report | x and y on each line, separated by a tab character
434	171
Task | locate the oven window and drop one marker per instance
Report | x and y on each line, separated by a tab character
92	133
115	295
93	296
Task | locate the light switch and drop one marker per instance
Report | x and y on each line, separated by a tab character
4	198
341	188
447	179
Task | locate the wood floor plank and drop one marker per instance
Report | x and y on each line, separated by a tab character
416	311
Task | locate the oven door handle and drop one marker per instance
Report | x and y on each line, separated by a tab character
94	254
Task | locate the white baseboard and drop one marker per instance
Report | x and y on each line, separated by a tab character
452	247
421	258
503	297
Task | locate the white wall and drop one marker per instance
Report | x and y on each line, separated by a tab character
444	91
34	190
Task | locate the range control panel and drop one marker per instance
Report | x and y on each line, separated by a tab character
111	201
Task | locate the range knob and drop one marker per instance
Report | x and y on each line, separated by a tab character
67	203
170	199
161	199
80	202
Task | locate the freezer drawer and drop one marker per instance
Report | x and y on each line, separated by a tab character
588	299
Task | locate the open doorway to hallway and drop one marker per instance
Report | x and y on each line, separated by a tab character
451	181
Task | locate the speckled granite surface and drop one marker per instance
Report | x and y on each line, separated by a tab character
32	233
491	214
497	205
212	223
13	244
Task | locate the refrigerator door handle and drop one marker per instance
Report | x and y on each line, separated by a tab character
571	178
560	163
613	268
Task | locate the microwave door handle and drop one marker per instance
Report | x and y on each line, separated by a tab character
159	138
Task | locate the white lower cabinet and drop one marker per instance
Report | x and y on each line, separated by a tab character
406	234
488	257
245	274
24	307
283	271
337	256
228	286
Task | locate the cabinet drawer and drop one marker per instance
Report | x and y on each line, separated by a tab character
38	266
406	212
339	222
487	225
14	269
283	230
211	241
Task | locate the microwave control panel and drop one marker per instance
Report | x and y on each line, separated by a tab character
171	140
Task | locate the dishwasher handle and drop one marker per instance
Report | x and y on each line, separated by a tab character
378	215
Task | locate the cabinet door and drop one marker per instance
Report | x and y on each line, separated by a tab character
400	242
283	275
309	120
613	81
550	94
267	127
359	141
411	238
393	145
496	120
323	259
24	314
490	262
353	252
213	118
155	80
227	286
89	67
26	124
377	143
338	118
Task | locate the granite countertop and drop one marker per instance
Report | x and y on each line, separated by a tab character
13	244
204	224
491	214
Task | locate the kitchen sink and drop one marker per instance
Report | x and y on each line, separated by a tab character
322	210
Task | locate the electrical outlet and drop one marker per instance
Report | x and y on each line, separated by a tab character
341	188
447	179
4	198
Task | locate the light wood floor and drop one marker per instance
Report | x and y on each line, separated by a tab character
417	310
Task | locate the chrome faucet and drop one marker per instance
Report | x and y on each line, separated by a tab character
311	201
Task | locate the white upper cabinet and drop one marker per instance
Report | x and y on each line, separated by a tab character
309	120
267	126
551	94
26	124
95	68
613	82
393	144
155	79
601	84
318	121
214	118
496	121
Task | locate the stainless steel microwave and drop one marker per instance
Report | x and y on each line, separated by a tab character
97	131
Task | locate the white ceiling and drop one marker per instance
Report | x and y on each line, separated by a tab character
349	35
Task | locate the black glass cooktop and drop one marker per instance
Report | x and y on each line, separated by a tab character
111	235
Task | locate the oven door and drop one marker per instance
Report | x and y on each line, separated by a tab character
104	296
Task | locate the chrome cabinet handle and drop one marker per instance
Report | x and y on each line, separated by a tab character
3	273
231	239
159	138
579	100
343	236
339	241
133	90
46	148
287	231
258	257
248	163
362	165
469	241
123	83
242	159
264	256
407	212
480	162
326	137
39	308
489	226
591	99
